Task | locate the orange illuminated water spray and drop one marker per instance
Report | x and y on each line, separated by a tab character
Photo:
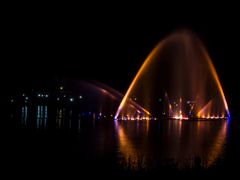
146	64
135	80
215	76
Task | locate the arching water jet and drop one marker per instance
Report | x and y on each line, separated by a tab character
180	67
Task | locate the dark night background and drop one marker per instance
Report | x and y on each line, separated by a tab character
109	43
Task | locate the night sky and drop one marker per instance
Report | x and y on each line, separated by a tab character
110	44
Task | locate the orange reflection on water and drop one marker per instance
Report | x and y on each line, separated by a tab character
127	149
147	143
217	147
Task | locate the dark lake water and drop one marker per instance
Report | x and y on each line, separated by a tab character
64	140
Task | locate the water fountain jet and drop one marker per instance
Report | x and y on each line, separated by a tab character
178	71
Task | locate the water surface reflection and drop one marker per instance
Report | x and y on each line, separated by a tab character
146	143
133	144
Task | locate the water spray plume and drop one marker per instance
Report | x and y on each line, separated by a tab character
181	74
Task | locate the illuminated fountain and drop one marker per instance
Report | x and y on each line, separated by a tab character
98	98
177	81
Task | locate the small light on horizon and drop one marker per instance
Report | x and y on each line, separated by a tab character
80	97
61	88
71	99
